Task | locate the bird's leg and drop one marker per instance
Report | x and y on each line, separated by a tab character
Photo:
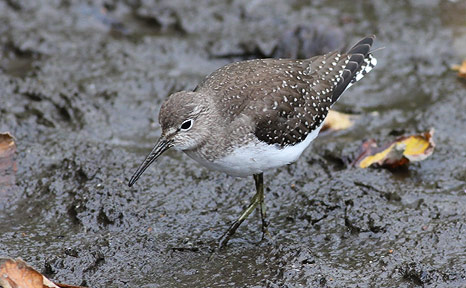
259	179
232	229
257	199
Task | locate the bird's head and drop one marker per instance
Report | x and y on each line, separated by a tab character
185	125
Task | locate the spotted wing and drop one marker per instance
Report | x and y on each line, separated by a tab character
286	99
301	98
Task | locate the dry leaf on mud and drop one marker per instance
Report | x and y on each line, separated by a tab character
7	160
15	273
400	152
461	69
338	121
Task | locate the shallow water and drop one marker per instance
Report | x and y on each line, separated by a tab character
80	89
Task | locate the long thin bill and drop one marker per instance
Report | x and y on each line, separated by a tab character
161	146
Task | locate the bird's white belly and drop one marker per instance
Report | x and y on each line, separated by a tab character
257	157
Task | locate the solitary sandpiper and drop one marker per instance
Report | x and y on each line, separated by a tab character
250	116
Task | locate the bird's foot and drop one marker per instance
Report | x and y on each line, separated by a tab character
265	230
223	241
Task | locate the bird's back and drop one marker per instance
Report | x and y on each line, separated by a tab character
286	99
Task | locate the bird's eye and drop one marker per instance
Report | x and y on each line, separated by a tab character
187	125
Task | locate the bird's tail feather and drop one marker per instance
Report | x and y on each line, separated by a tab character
360	63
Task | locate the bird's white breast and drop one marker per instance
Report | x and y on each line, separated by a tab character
257	157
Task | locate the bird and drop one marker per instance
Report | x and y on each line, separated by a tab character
251	116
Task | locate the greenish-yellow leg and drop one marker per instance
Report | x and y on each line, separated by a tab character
257	199
259	179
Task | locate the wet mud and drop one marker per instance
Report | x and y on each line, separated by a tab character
80	89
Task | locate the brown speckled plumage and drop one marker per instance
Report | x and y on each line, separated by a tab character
286	99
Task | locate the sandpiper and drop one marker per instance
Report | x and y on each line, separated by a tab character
250	116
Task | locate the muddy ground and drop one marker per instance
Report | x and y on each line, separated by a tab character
80	89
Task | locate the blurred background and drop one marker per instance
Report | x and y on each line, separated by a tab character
81	83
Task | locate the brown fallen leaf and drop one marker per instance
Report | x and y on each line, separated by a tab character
7	160
337	121
15	273
461	69
400	152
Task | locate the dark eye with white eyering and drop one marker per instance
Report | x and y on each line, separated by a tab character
186	125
